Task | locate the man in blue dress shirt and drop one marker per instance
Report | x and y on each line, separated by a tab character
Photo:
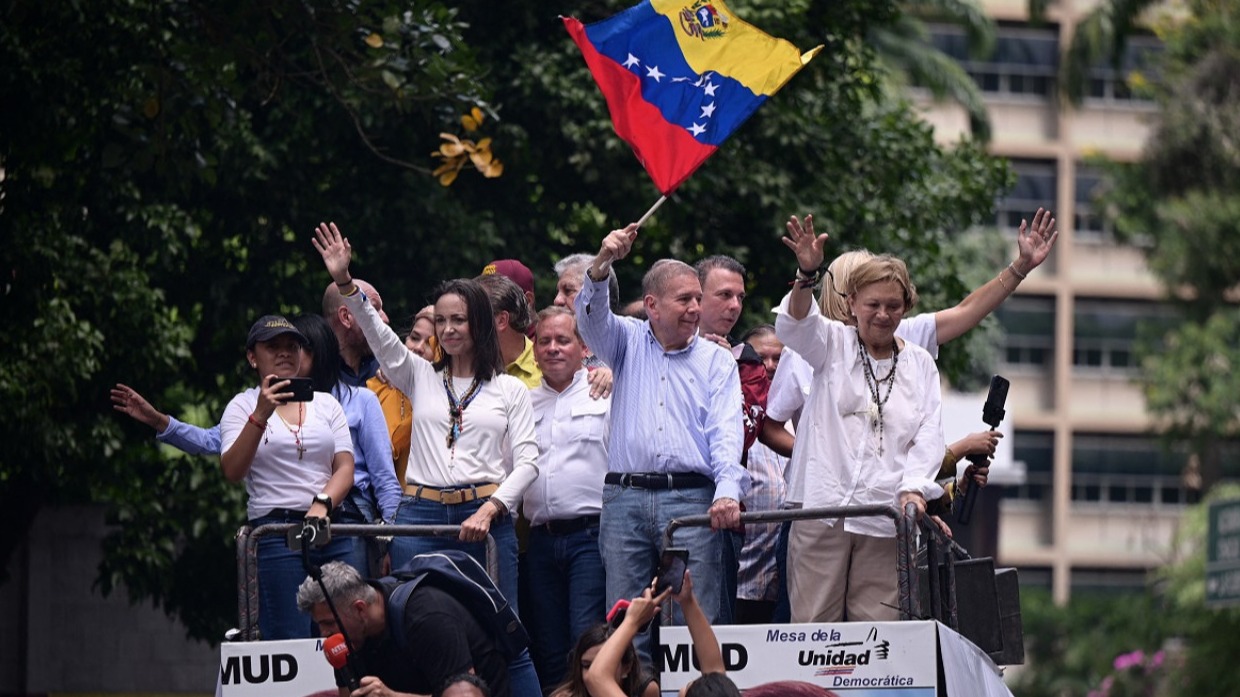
676	429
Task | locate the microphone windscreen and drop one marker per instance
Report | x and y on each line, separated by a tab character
336	651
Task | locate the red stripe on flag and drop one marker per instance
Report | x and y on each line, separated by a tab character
666	150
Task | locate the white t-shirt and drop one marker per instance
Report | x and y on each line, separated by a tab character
843	459
497	422
278	478
795	378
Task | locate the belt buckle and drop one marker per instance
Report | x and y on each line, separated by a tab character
670	481
452	497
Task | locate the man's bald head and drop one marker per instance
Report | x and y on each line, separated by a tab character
342	321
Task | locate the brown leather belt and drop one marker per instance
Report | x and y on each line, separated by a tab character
453	495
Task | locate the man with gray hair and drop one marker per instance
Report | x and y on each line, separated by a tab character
675	423
570	270
441	636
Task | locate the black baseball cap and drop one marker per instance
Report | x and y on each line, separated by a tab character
269	327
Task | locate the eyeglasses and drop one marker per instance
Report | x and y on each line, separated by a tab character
833	289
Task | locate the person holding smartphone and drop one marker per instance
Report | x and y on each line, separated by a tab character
296	459
601	677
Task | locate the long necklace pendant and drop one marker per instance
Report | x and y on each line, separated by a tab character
301	450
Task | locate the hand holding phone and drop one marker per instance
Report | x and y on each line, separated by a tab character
301	389
672	570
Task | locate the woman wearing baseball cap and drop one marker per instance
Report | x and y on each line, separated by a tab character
296	459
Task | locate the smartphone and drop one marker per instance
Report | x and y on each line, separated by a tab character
616	614
302	388
672	570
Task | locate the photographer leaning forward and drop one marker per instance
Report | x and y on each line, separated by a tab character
296	458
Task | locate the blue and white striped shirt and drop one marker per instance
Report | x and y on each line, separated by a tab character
671	411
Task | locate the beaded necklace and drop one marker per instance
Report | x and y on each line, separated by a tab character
456	407
301	415
875	384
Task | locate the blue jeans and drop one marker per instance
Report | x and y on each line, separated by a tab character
783	607
631	539
415	511
356	508
565	589
522	679
280	573
730	544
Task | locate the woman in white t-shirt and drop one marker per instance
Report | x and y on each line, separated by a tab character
296	459
473	451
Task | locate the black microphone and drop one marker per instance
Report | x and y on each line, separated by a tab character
992	414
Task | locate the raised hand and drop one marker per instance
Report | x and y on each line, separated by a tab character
272	392
618	243
1035	242
335	250
804	243
126	400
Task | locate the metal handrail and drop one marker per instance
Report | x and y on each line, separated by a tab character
943	606
247	558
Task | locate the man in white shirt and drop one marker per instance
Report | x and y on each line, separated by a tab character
562	571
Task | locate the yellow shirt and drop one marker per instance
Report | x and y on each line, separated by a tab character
524	368
398	412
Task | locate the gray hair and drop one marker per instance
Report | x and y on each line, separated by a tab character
578	263
507	296
664	270
344	585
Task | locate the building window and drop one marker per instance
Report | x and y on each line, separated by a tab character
1105	334
1023	65
1109	84
1089	224
1036	449
1127	469
1029	332
1036	187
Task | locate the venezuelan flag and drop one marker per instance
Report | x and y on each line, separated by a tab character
680	77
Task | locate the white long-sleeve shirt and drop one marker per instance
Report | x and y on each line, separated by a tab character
499	417
837	448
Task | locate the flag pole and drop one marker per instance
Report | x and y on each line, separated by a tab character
641	221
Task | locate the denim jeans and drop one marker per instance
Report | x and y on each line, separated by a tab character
415	511
522	679
730	544
783	607
565	589
631	539
357	507
280	573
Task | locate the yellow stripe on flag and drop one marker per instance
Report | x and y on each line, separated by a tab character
731	46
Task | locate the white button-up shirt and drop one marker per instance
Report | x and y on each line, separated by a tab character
837	450
573	431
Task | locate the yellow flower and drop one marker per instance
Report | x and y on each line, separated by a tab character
473	120
374	40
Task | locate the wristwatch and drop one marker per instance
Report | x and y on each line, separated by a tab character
324	499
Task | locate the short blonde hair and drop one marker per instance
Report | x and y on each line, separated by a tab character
833	298
881	269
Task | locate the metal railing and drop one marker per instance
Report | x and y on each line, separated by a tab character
940	551
247	559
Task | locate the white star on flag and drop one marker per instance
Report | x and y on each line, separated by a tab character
653	72
708	110
632	61
710	89
697	130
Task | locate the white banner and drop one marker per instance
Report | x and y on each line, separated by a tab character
861	658
294	668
